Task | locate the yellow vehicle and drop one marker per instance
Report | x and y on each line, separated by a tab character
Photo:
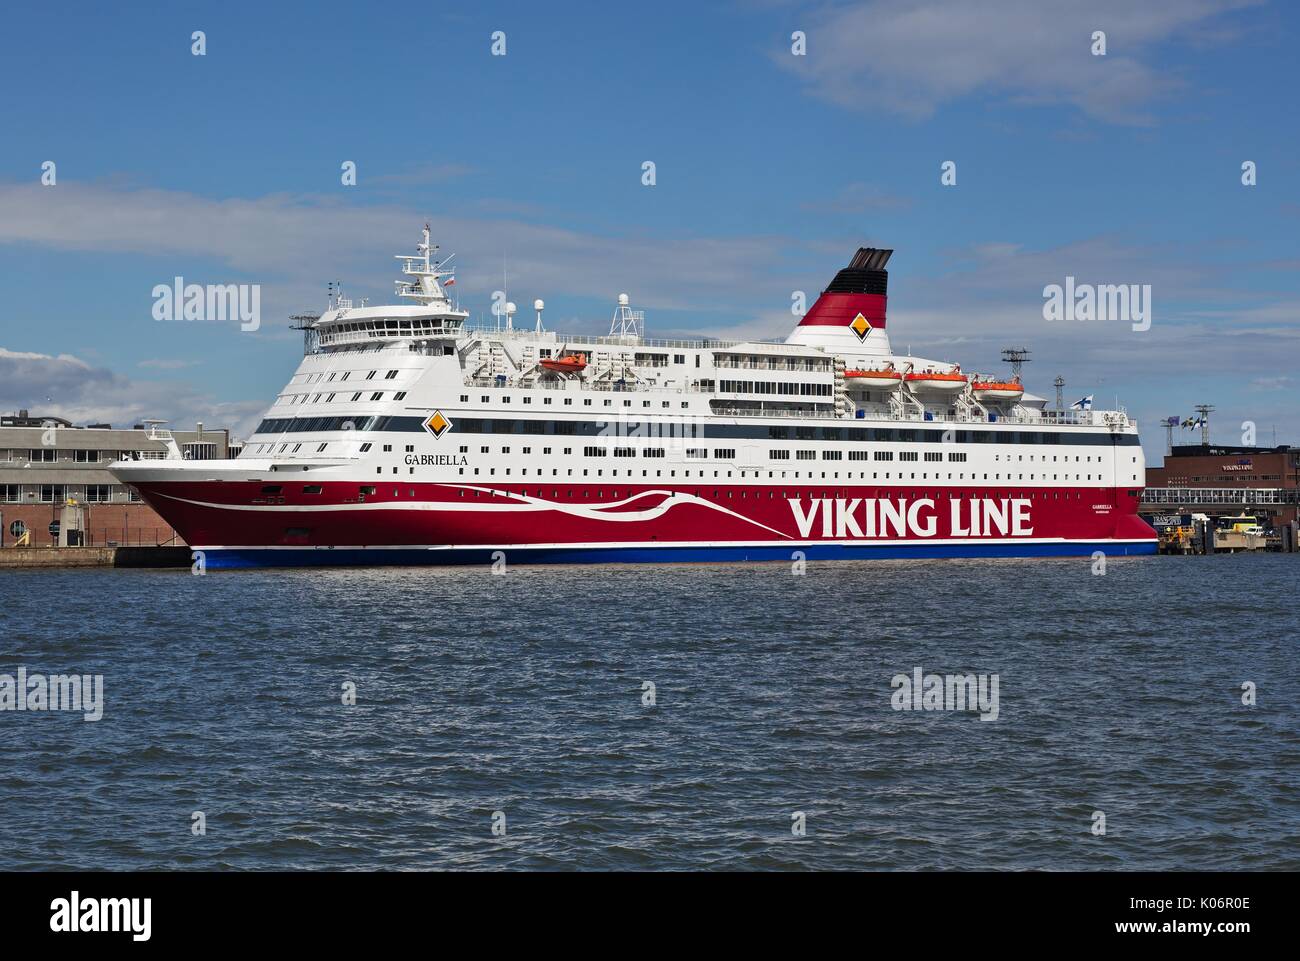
1242	524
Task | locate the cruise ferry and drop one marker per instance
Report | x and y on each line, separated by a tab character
408	435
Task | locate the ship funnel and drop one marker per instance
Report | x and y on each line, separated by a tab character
849	316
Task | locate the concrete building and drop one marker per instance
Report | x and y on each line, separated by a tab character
54	477
1220	481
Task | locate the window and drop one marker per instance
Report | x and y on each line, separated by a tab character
595	451
728	453
98	493
882	455
311	489
52	493
365	447
11	493
44	455
907	455
779	454
86	456
377	395
390	375
371	375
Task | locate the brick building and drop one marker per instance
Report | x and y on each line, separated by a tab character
1221	480
53	472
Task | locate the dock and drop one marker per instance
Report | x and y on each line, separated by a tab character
1203	538
51	558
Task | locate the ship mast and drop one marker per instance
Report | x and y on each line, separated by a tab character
627	322
426	289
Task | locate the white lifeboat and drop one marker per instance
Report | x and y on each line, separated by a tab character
878	379
997	389
942	381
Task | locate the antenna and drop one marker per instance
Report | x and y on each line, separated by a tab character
627	322
539	305
1059	384
1016	357
1204	410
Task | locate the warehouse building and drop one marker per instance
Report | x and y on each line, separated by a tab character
55	488
1225	481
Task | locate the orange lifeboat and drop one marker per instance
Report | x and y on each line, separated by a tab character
570	364
935	380
998	390
886	379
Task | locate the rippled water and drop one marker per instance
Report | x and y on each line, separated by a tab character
522	693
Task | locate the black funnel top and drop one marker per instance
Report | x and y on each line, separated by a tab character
865	273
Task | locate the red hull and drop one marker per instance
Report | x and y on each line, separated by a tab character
212	514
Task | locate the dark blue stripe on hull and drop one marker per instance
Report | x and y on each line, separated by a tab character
223	559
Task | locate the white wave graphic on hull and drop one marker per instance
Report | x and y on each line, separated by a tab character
504	501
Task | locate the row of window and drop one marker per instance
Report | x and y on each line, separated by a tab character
344	375
770	362
774	387
781	475
58	493
631	428
52	455
378	395
568	401
902	435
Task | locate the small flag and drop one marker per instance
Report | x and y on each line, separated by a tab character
1083	403
449	282
1172	421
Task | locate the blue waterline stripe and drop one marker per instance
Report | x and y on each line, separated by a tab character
221	559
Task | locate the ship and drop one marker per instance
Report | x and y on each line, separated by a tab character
409	435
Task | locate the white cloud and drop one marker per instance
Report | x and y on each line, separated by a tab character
299	242
913	56
68	387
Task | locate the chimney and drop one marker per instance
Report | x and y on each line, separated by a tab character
849	316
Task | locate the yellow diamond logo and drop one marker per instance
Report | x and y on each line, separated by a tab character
860	326
437	425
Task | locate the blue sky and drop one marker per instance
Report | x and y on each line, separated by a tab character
771	170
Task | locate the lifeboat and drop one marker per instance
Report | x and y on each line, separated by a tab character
935	380
887	379
570	364
997	390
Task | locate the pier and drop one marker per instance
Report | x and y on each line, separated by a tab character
49	558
